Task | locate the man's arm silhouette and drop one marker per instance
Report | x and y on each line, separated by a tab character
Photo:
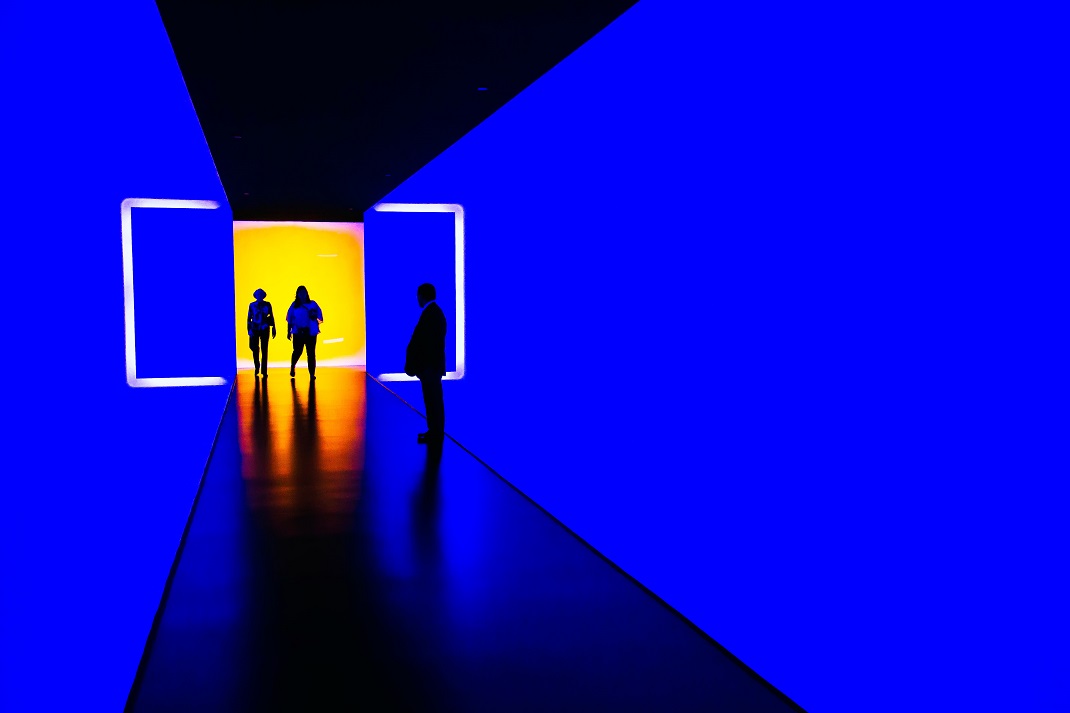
271	318
415	351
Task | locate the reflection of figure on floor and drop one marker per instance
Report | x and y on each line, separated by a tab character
308	507
261	428
260	407
425	359
425	508
260	322
305	424
303	321
304	416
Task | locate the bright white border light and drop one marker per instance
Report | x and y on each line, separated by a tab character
458	263
128	295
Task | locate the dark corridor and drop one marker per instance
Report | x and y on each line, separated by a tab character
334	564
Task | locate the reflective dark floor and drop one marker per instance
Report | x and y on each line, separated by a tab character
335	564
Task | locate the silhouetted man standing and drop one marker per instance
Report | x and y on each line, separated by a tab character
425	359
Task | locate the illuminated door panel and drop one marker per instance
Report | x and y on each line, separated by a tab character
167	262
328	259
410	244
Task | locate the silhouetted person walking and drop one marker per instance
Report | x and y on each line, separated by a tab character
303	325
425	359
260	322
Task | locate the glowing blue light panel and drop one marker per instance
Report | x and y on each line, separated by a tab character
171	270
415	243
99	476
767	305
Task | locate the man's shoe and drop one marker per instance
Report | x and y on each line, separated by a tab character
292	374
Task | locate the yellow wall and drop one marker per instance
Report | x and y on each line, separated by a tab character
328	259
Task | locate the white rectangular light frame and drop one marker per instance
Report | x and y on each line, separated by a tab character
128	295
458	265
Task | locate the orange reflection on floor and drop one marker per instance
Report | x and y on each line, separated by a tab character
302	446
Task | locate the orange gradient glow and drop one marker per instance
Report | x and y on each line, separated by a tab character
302	447
328	259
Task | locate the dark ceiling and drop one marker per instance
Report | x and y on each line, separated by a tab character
315	110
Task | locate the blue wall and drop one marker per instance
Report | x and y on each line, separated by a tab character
98	477
768	305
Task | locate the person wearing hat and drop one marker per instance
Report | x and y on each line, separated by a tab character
261	320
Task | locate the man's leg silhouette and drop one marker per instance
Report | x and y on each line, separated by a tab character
310	349
299	346
254	347
264	339
431	385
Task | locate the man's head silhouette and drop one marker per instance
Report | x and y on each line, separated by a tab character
425	293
